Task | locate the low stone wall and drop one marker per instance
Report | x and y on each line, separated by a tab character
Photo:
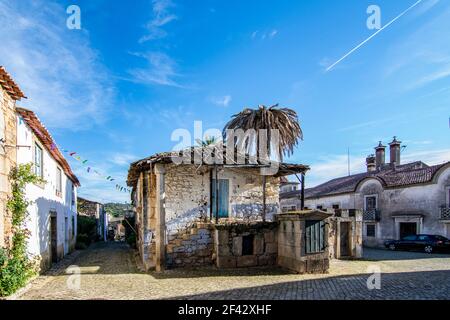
291	247
228	243
191	247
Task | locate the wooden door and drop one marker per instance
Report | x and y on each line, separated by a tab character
344	239
223	195
54	238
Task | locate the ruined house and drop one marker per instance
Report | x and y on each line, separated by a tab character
95	210
180	222
397	199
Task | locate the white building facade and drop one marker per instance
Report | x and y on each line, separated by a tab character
397	199
52	215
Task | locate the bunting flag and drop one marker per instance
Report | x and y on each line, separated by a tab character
83	162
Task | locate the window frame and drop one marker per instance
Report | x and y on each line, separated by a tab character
370	196
447	196
58	180
374	230
320	244
38	170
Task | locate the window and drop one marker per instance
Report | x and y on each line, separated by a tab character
336	206
73	226
370	230
424	238
314	236
370	203
410	238
73	195
448	196
293	208
58	181
320	207
38	165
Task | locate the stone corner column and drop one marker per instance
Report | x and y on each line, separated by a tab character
160	218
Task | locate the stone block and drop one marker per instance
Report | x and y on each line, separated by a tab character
222	236
223	250
267	260
237	246
226	262
271	248
258	245
246	261
269	236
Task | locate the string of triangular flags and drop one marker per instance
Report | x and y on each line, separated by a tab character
84	162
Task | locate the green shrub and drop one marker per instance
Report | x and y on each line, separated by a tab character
131	240
87	225
15	266
83	241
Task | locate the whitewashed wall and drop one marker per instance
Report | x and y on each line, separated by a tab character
46	201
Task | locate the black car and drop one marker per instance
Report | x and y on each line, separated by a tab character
421	242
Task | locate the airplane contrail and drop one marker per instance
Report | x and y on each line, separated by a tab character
384	27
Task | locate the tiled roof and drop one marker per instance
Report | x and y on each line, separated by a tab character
405	175
167	157
9	85
44	136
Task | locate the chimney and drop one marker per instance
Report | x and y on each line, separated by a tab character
370	162
394	148
380	152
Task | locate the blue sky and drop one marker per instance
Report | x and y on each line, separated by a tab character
115	90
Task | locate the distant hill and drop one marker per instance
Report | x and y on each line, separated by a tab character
117	209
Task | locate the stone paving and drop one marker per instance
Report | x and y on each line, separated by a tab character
108	271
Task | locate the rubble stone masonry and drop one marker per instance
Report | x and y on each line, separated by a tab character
8	134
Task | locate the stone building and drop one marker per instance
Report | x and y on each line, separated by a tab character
176	210
52	214
397	199
10	93
180	224
97	211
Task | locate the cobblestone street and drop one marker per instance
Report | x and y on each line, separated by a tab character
108	271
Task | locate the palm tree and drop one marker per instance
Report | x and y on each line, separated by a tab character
283	119
208	141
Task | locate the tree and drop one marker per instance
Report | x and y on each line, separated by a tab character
284	120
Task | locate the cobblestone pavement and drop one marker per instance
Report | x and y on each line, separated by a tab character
108	271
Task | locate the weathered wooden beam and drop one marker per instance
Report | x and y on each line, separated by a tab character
160	218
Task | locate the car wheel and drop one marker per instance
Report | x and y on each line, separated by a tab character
428	249
392	247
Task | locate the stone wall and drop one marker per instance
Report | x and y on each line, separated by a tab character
192	247
291	247
228	243
8	132
188	194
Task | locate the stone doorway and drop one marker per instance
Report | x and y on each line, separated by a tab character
344	236
407	229
54	238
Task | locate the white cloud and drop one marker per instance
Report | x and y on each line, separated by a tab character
430	157
222	101
333	166
54	66
123	159
264	35
161	17
161	70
